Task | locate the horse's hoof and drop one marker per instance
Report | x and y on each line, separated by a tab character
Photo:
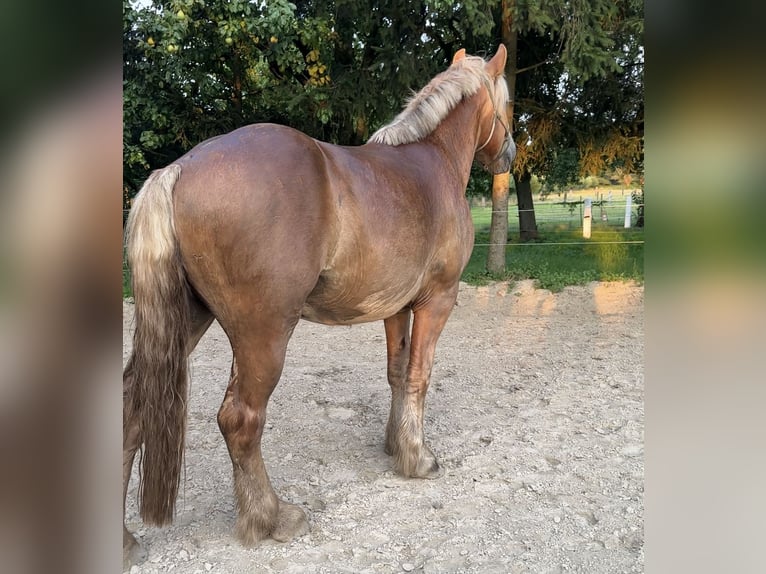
389	447
417	464
429	468
291	523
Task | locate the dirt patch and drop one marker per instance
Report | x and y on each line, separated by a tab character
535	412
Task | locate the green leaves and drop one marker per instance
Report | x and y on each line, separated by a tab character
194	69
580	86
564	167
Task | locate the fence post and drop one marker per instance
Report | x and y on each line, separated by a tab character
586	217
628	210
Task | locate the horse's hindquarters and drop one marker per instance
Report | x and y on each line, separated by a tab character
254	220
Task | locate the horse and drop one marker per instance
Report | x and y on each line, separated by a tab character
264	226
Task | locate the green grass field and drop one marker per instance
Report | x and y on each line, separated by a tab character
561	256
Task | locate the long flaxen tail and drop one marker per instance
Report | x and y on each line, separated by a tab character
155	396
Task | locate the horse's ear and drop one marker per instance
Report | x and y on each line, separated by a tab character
496	65
459	55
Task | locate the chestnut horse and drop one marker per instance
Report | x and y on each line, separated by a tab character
264	226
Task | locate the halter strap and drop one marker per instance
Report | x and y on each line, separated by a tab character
494	121
491	133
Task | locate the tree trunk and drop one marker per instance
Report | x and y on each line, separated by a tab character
527	221
498	229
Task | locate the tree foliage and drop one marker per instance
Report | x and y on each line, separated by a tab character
194	69
579	84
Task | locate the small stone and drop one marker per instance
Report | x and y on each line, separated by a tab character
340	413
183	554
556	519
315	504
611	543
279	564
208	566
464	552
632	450
408	567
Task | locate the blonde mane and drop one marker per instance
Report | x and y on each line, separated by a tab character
426	109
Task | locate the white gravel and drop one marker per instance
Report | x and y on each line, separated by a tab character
535	412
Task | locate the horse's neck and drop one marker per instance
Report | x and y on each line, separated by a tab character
456	137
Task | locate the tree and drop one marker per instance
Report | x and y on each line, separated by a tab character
498	229
577	83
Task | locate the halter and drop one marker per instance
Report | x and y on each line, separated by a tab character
491	133
506	138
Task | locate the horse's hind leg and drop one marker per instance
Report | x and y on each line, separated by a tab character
258	360
398	352
131	437
412	457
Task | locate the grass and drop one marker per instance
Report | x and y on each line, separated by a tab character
126	290
561	256
555	266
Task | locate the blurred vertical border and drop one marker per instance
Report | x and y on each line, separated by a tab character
705	287
60	286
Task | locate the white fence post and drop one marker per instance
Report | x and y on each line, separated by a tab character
586	218
628	210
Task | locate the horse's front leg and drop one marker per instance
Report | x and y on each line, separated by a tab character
412	457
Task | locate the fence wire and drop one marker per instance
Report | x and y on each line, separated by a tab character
555	243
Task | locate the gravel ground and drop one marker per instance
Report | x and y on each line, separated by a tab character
535	412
